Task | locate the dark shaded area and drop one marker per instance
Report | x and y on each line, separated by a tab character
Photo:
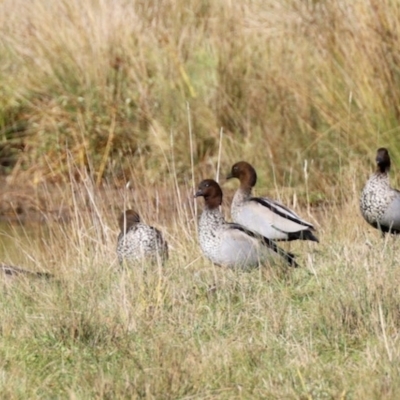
15	271
12	144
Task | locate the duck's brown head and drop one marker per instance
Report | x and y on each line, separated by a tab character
212	193
382	160
246	174
128	219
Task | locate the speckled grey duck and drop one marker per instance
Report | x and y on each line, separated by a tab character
230	244
379	202
263	215
138	241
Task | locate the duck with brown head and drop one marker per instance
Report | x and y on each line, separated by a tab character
379	202
230	244
138	241
263	215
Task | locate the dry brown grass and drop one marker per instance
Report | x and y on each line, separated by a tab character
112	80
98	93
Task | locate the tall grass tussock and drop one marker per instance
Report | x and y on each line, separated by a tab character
162	94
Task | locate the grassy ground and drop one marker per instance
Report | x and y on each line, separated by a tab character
98	93
191	330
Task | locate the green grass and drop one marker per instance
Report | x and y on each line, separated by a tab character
191	330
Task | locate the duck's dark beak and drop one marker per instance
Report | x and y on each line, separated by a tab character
229	176
199	193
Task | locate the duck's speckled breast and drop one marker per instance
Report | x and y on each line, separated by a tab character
376	198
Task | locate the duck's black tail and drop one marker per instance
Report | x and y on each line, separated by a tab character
289	257
302	235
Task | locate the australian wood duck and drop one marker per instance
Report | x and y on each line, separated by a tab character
379	202
263	215
231	244
138	241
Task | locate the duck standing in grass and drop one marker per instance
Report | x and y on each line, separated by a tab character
263	215
379	202
138	241
230	244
